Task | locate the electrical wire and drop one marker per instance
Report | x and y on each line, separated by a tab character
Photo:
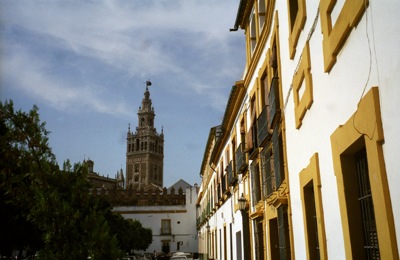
310	33
369	70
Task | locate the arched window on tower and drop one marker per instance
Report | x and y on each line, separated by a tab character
137	144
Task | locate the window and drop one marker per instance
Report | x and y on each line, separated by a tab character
357	156
258	238
267	172
165	227
293	9
239	245
283	233
251	136
155	172
263	134
303	101
225	249
371	245
253	34
255	183
261	14
277	150
137	167
264	90
297	19
165	247
310	187
335	35
273	238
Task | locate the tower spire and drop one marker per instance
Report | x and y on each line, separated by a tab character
145	148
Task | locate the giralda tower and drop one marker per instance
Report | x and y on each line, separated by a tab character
145	148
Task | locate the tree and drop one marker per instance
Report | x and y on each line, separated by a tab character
130	233
46	208
73	222
50	209
24	155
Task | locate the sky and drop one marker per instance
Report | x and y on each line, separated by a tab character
85	64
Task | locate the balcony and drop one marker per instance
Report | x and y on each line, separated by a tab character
277	151
268	175
240	160
165	231
263	134
219	192
223	184
232	177
251	141
274	103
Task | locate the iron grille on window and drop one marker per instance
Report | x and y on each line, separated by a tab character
274	103
240	159
223	184
231	176
219	191
267	172
283	233
165	227
258	238
262	127
277	151
312	222
371	245
255	183
252	142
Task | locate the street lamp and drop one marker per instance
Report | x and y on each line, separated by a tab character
242	203
246	233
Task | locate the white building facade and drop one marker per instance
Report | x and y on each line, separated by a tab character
173	226
309	136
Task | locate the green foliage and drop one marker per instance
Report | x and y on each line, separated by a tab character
51	210
131	234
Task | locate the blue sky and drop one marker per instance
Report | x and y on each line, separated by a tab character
85	64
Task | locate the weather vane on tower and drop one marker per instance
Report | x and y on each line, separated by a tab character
148	83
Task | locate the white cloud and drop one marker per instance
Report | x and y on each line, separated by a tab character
140	38
30	75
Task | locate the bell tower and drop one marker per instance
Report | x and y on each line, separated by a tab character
145	148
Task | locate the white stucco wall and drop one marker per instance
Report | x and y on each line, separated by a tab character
368	58
183	223
336	95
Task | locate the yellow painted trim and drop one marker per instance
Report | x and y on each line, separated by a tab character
270	213
297	27
366	125
307	175
301	104
252	59
334	36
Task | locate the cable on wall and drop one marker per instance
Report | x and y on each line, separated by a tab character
370	66
310	33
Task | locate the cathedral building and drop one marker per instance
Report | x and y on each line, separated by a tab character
145	149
